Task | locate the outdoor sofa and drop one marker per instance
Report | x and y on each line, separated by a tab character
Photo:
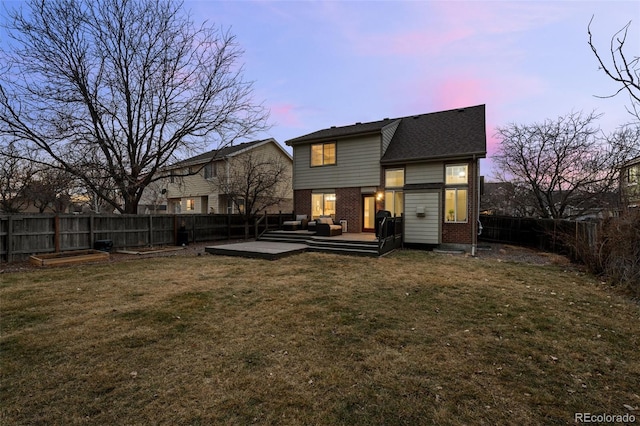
325	227
294	225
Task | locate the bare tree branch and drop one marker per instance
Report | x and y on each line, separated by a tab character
621	68
113	91
566	165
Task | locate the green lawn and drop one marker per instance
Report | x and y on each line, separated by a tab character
411	338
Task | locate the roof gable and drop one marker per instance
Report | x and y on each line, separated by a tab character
227	151
342	132
454	133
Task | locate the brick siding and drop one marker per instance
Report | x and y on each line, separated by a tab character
460	233
349	207
302	202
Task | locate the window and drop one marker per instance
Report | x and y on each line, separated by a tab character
394	178
394	202
323	205
455	205
191	204
633	175
323	154
456	193
394	199
210	171
457	175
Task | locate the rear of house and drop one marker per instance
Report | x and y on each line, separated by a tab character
424	167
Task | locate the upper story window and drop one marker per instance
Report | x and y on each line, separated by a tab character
394	178
210	171
323	154
457	174
632	175
456	193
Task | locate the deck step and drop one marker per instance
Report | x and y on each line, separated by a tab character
324	244
343	250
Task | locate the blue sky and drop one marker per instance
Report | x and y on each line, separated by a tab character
320	64
333	63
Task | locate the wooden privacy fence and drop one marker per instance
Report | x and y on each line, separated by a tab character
554	235
24	235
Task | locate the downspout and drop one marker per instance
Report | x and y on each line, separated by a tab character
474	208
228	179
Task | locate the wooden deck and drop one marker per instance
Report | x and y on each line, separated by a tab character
258	249
277	244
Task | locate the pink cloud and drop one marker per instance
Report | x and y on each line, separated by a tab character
459	92
285	115
445	27
408	43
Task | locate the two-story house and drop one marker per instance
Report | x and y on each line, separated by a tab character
202	192
425	167
630	183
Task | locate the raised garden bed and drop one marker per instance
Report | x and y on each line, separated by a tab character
68	257
149	250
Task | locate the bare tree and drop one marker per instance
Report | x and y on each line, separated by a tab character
50	189
15	178
119	89
254	182
621	67
507	198
567	165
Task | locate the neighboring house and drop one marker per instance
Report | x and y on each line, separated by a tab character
630	183
425	167
517	200
201	192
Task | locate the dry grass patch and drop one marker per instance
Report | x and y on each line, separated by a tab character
411	338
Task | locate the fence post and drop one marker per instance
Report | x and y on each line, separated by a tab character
56	233
175	229
9	238
92	225
150	231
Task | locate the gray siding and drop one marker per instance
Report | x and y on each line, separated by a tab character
422	230
357	164
387	135
424	173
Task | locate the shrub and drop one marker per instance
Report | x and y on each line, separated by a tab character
613	252
620	251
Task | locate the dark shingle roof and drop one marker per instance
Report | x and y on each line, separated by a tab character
341	132
453	133
217	153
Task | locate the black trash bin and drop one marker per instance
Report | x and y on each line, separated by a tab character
183	237
381	214
103	245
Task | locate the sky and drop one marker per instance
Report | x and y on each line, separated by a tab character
317	64
334	63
